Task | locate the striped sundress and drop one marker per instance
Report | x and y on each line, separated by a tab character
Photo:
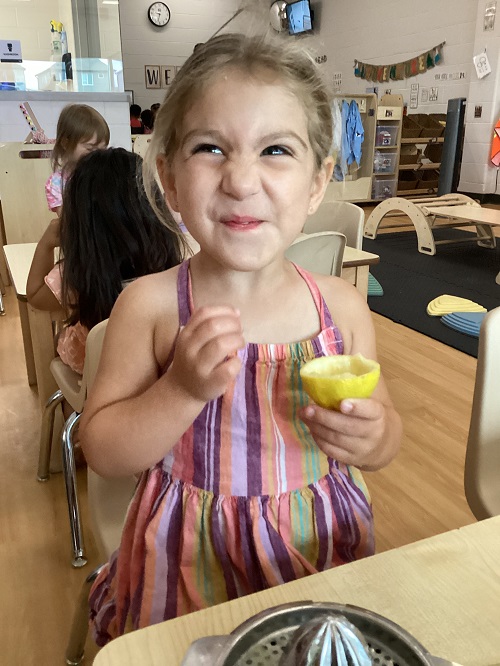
244	501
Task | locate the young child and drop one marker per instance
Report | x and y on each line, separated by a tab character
135	119
80	130
245	483
108	234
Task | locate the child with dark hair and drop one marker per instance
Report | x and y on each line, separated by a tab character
135	119
108	234
148	121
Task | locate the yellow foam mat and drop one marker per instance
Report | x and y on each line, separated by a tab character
446	304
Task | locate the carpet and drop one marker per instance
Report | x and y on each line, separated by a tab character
410	280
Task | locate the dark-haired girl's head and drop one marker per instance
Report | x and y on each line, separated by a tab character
109	234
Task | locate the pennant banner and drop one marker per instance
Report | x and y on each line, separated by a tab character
401	70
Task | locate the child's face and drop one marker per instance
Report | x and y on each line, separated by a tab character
86	147
244	176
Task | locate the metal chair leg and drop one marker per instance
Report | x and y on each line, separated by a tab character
69	471
46	433
80	625
2	309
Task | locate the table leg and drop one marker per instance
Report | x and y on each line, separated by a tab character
43	352
358	276
28	345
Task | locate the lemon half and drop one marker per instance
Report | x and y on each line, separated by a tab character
330	379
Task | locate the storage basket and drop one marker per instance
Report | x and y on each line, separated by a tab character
430	126
410	129
428	180
407	180
434	152
411	156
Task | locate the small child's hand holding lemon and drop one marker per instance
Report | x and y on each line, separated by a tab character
346	423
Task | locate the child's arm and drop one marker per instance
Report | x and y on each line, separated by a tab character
366	433
38	293
135	414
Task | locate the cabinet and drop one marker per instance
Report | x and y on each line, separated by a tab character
420	154
387	147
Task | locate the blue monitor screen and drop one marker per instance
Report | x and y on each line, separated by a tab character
298	15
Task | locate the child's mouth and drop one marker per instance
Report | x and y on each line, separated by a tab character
241	223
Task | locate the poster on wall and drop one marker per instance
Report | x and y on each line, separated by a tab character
10	50
489	15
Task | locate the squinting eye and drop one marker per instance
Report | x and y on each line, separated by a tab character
207	148
276	150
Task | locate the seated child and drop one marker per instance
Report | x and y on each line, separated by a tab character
108	234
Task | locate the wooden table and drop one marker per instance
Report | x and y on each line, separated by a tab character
444	590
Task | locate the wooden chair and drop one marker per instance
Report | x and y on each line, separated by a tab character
341	216
320	253
108	501
482	461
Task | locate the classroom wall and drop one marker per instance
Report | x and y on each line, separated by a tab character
192	21
391	31
30	23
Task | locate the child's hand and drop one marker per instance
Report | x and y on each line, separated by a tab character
354	436
205	360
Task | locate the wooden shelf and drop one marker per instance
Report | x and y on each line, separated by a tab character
421	190
393	147
419	167
421	139
376	174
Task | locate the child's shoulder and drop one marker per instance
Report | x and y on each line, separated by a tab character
347	306
155	293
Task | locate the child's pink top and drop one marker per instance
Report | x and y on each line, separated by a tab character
71	342
53	191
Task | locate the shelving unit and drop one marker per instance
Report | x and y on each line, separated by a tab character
419	166
387	147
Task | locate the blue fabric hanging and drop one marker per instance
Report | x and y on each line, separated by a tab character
353	135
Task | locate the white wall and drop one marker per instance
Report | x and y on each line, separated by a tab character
477	173
392	31
29	22
192	21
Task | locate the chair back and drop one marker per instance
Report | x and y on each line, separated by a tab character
108	499
319	253
482	461
140	144
341	216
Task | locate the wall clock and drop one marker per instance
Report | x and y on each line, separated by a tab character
159	14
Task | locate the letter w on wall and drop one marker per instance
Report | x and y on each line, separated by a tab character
152	74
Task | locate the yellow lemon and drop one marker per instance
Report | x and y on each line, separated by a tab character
330	379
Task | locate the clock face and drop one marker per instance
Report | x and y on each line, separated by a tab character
159	14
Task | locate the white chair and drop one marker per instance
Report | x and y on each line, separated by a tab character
140	144
2	292
341	216
482	461
108	501
319	253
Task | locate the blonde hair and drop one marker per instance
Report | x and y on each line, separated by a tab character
77	123
292	64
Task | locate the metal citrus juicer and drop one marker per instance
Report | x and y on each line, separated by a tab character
313	634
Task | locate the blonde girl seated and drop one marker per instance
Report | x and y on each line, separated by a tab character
80	130
245	484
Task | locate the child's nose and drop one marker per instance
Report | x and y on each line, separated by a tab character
241	179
